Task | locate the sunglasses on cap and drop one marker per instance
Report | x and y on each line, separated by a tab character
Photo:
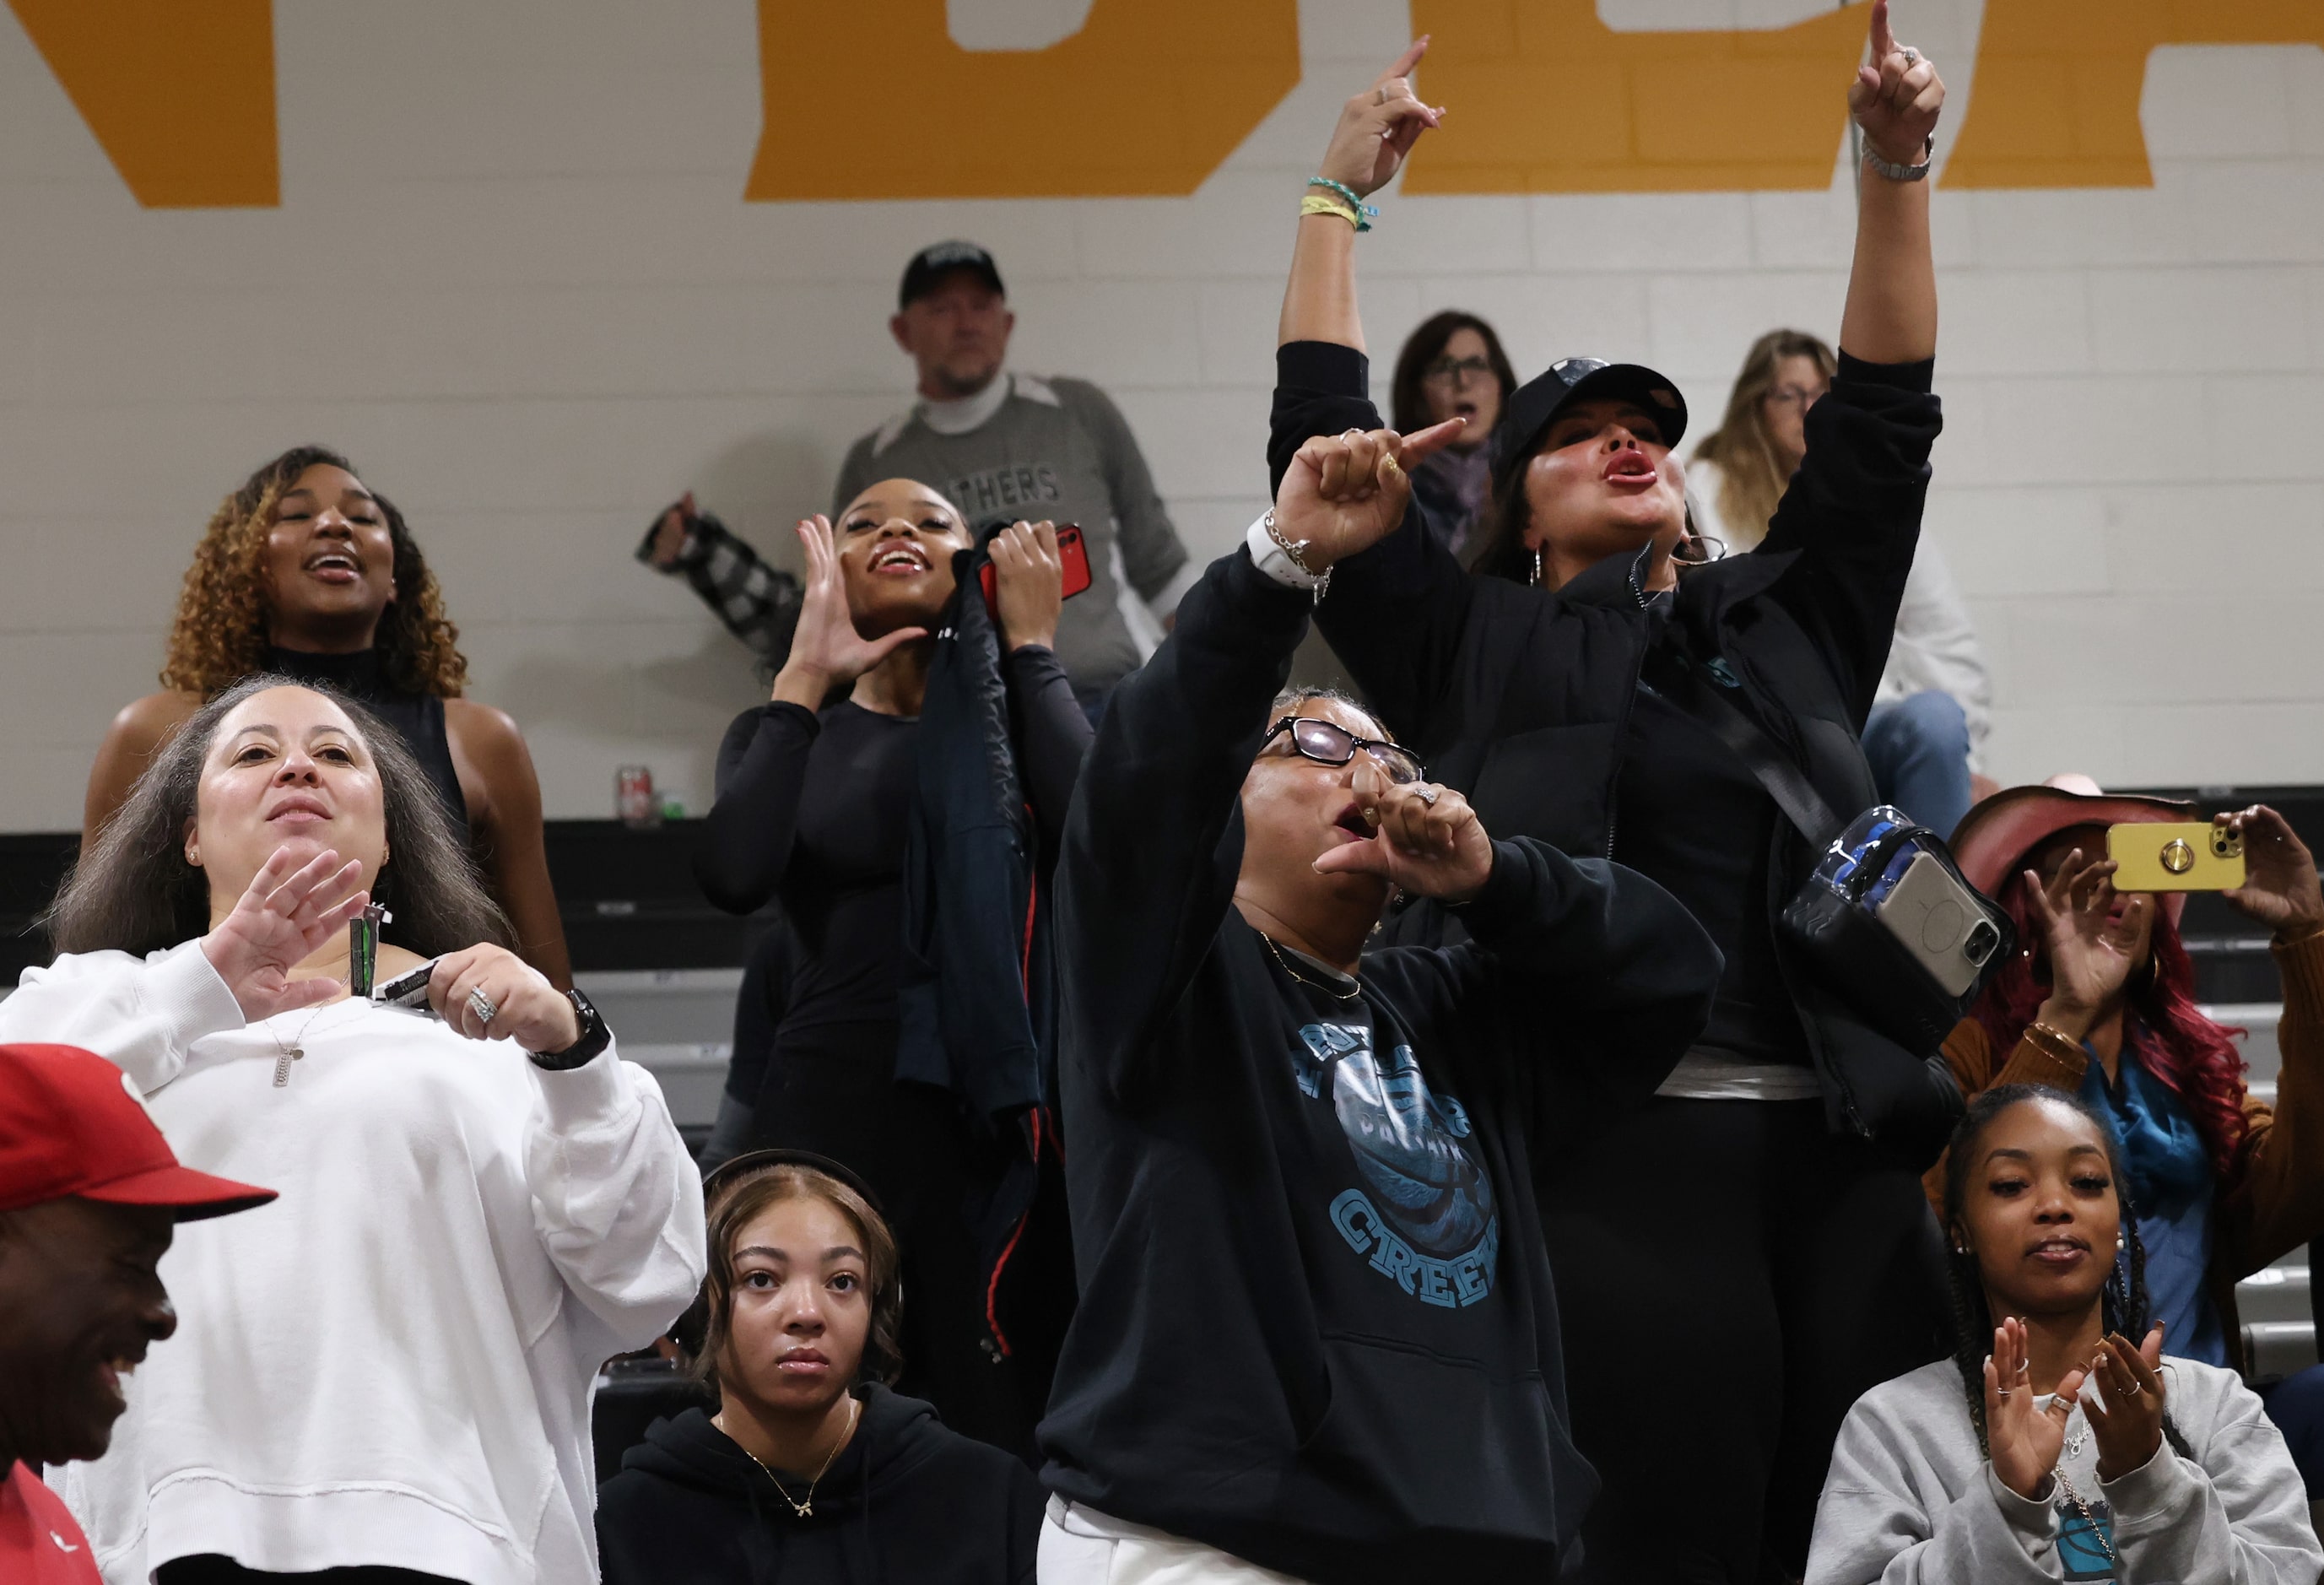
1329	743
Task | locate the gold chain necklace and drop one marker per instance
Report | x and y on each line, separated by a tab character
805	1509
1327	990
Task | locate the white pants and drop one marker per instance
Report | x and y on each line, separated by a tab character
1081	1546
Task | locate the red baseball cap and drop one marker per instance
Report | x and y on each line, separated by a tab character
71	1124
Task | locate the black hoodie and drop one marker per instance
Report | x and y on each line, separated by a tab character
1317	1328
907	1502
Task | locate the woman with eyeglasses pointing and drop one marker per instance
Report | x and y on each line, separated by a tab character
1317	1338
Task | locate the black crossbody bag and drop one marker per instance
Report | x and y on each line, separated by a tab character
1886	920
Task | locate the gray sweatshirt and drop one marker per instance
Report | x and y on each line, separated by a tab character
1911	1501
1053	449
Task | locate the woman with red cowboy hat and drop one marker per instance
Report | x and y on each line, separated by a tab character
2099	1002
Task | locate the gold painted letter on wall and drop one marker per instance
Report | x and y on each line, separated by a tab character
1546	99
179	93
2055	102
877	101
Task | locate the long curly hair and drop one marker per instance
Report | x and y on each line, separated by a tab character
1752	476
2196	1060
219	633
131	889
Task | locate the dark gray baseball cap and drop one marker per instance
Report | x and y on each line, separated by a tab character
1541	399
932	263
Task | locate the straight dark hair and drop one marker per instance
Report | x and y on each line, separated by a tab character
735	1208
1407	404
2123	1303
131	889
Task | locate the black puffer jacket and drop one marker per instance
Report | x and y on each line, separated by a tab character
1520	697
906	1503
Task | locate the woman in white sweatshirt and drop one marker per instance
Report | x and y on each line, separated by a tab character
392	1367
2066	1452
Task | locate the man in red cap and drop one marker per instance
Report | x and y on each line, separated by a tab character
90	1196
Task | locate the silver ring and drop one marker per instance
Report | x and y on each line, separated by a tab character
1351	435
482	1005
1425	793
2002	1392
2136	1389
1912	56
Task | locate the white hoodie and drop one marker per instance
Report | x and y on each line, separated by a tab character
392	1363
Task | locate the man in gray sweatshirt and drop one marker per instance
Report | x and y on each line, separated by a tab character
1001	447
1004	446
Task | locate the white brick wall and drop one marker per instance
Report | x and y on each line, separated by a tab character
513	276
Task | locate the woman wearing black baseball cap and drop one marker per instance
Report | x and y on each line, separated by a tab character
1742	1258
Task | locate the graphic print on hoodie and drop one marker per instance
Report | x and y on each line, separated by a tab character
1423	1216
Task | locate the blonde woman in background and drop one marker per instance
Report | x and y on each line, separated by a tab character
1932	711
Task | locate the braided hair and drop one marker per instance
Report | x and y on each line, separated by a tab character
2123	1302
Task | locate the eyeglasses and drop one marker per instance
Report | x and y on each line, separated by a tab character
1329	743
1796	396
1457	371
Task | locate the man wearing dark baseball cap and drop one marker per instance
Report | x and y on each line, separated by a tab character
1004	446
90	1195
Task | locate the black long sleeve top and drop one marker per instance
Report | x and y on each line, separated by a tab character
1317	1329
812	809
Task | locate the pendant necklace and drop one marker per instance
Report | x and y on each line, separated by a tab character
295	1049
805	1507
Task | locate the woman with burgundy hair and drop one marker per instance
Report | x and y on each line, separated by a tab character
2100	1003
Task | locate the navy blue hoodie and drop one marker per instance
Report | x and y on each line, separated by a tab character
907	1502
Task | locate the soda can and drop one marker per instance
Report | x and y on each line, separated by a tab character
634	802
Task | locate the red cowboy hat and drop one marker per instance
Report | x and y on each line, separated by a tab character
1998	837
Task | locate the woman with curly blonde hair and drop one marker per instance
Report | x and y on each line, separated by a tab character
304	572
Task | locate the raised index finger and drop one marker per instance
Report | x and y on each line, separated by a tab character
1405	62
1884	41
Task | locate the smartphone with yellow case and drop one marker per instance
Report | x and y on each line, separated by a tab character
2191	855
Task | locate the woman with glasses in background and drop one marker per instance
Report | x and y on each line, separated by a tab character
1934	704
1453	367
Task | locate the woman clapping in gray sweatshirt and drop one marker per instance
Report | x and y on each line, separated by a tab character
2068	1452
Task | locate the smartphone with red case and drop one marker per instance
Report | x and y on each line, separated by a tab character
1072	554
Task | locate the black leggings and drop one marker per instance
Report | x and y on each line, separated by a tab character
1730	1278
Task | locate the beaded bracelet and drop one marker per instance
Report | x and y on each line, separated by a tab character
1365	212
1317	204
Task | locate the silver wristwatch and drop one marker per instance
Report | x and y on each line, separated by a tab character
1903	173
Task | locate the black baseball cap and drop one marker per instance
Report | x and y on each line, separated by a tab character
1568	380
932	263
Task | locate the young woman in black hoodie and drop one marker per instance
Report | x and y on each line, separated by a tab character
1317	1334
810	1471
1789	1141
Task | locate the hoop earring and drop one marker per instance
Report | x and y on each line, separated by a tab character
1535	579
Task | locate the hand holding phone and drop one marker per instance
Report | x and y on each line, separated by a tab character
1031	569
2179	855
